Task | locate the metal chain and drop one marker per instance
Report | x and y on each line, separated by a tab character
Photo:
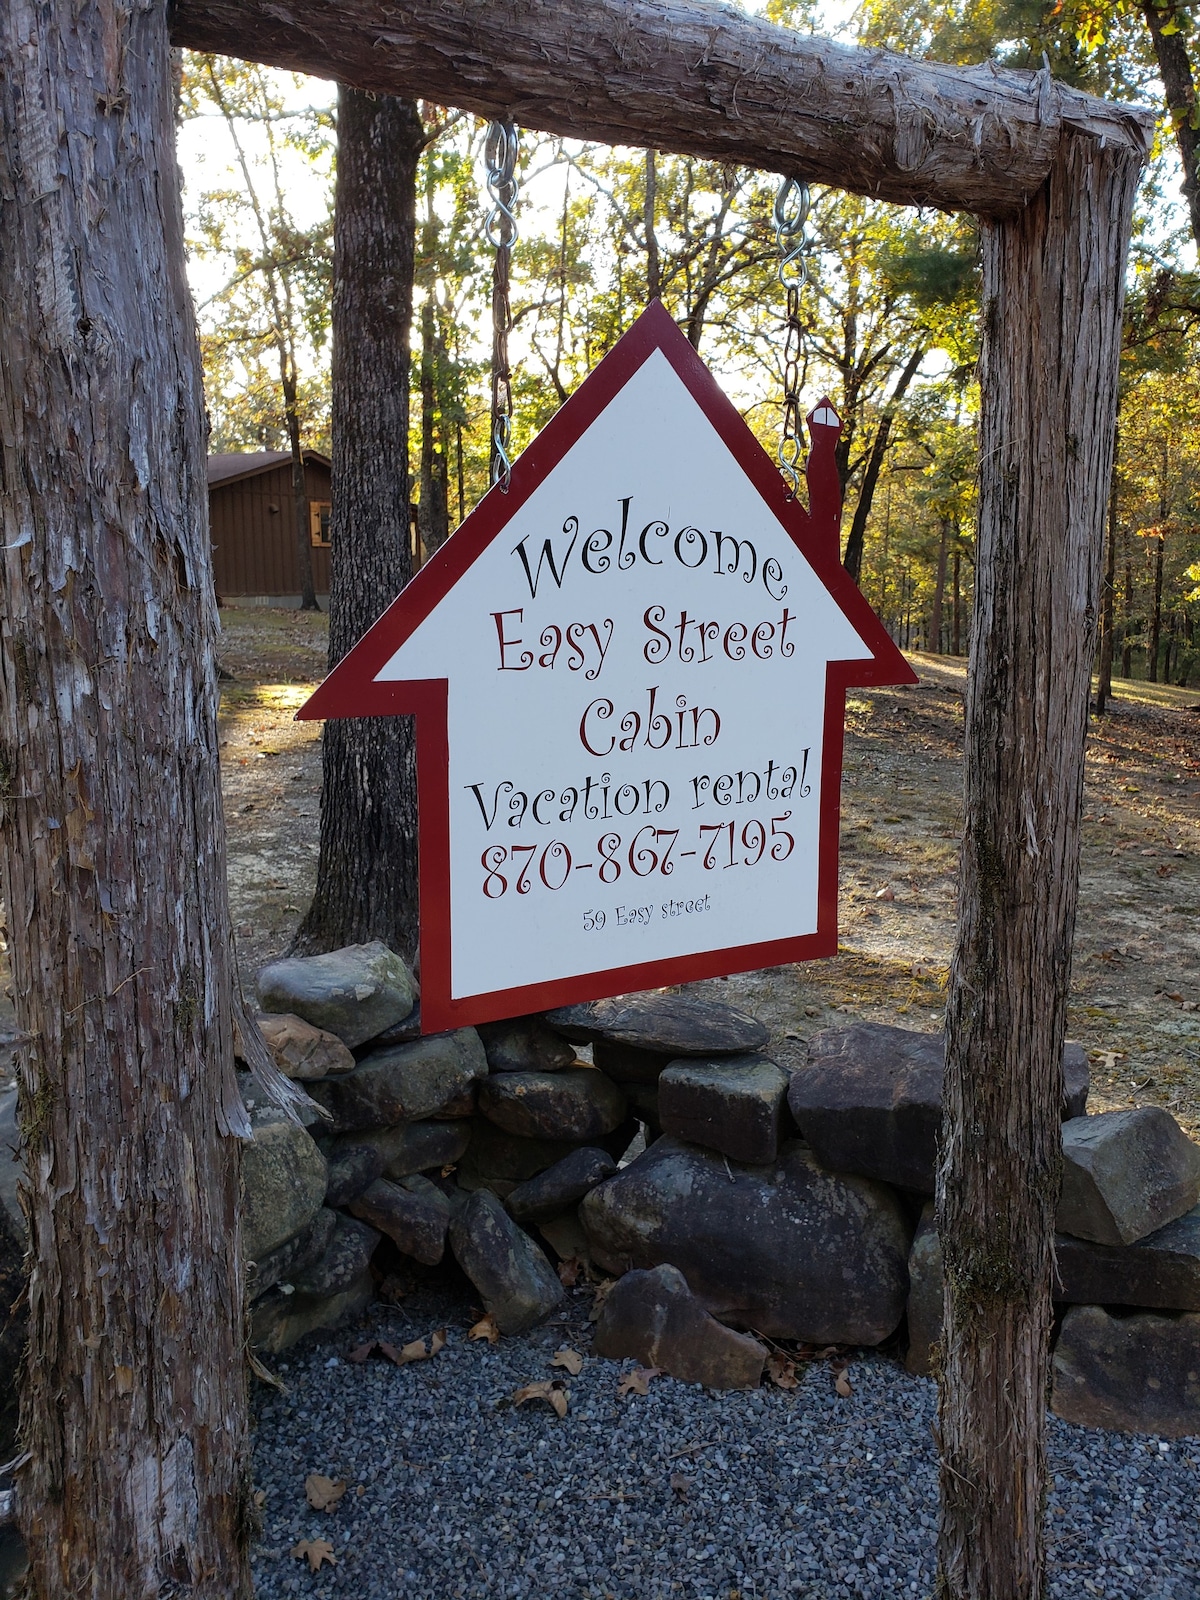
500	154
792	204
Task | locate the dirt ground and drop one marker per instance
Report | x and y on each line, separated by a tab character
1137	955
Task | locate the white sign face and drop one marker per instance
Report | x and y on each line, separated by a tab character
636	665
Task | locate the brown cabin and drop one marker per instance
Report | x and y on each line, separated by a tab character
253	525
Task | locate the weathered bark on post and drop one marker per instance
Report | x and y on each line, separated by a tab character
367	866
1053	291
692	77
111	840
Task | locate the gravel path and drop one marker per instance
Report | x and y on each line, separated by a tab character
455	1493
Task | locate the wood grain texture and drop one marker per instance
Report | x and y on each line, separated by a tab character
111	841
1053	291
690	76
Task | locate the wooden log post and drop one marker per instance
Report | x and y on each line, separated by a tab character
1052	298
111	842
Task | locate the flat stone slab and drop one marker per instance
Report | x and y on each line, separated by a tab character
1136	1373
406	1082
296	1253
414	1214
1160	1272
625	1064
654	1317
494	1155
525	1044
283	1177
354	993
420	1146
343	1261
734	1104
278	1320
1125	1175
561	1186
791	1250
302	1051
870	1100
668	1024
516	1283
576	1104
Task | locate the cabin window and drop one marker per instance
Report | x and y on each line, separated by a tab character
318	522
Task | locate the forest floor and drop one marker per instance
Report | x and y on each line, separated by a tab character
1137	954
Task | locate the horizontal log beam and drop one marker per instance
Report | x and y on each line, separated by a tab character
693	77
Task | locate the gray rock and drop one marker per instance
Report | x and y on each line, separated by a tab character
1125	1174
565	1236
305	1247
494	1154
413	1146
525	1044
341	1264
734	1104
578	1104
561	1186
792	1251
11	1169
283	1183
626	1065
406	1082
279	1319
1160	1272
924	1296
414	1214
353	1167
1136	1373
654	1317
516	1283
668	1024
302	1051
402	1032
643	1104
870	1100
356	992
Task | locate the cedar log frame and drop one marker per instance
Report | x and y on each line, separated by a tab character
1054	174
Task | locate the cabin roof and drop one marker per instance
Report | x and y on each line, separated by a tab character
248	464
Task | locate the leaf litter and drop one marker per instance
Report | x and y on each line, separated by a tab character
316	1551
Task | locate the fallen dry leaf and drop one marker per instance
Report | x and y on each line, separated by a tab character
782	1371
568	1359
638	1381
485	1329
551	1390
413	1351
680	1484
843	1386
602	1291
260	1499
360	1352
322	1492
568	1271
437	1341
316	1551
886	893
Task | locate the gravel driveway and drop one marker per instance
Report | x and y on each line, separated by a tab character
453	1492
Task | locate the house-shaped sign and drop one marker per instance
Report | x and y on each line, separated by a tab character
628	674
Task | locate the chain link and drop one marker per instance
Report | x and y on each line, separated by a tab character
792	203
500	155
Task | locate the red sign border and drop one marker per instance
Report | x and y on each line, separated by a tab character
350	690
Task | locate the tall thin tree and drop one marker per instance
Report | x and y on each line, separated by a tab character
366	873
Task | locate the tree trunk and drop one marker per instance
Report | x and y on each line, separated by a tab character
1046	443
134	1408
367	866
1175	70
939	591
956	624
1108	600
433	511
681	76
653	281
855	544
1126	635
1156	614
291	411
